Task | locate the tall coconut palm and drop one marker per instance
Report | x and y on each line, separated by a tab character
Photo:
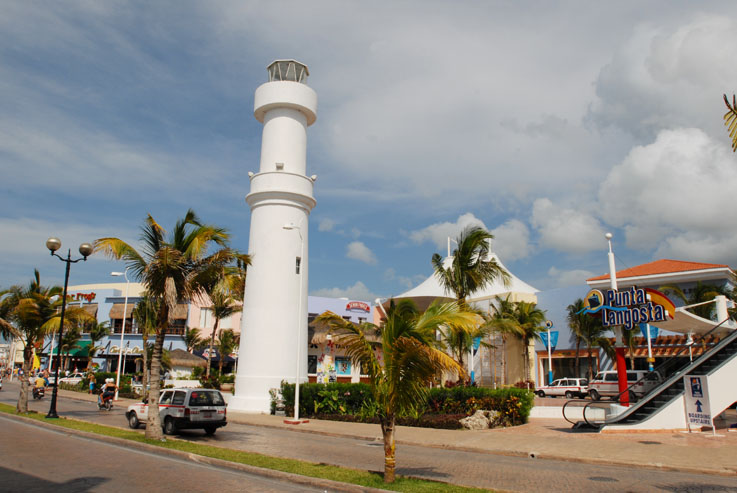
730	120
409	358
223	305
699	293
501	320
146	316
227	342
69	341
193	340
591	331
173	268
33	312
530	321
97	331
470	268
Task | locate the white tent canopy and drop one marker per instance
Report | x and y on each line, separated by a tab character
431	289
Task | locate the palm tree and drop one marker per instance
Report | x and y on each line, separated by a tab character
227	342
591	331
223	305
69	341
502	322
97	332
409	358
530	321
145	314
699	294
32	311
730	120
173	268
471	268
192	339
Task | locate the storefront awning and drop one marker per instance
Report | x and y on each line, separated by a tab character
80	350
117	310
91	309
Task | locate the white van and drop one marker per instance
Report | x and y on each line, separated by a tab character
605	384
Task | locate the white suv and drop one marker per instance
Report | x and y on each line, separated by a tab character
569	387
184	409
605	384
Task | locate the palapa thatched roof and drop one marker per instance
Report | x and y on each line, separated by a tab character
182	358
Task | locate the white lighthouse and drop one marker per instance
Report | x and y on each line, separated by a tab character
274	323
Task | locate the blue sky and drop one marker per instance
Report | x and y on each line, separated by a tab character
548	123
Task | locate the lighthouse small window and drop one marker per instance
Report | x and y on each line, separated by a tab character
298	264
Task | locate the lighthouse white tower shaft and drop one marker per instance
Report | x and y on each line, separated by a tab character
274	321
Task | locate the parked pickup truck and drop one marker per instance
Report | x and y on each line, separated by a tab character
184	408
568	387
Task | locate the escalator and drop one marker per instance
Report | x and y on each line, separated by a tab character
662	408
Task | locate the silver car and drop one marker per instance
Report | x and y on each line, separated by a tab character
184	409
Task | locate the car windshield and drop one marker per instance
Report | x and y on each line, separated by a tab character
206	398
583	382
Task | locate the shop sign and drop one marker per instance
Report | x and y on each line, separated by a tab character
82	296
358	305
629	307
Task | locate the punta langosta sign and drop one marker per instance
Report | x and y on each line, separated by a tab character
629	307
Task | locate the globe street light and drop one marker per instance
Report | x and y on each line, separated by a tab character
122	330
53	244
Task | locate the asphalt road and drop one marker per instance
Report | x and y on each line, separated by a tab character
460	467
36	459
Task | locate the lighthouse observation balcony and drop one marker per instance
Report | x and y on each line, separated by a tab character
281	187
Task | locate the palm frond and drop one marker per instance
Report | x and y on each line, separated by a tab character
730	120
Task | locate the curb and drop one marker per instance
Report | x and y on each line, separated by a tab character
200	459
514	453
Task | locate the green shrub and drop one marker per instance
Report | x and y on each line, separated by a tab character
227	378
513	404
350	395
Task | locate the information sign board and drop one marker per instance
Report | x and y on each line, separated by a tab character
698	410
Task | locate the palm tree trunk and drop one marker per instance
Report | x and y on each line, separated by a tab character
578	361
153	425
22	406
591	361
145	377
504	361
387	430
212	342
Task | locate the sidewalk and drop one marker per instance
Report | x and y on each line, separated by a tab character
545	438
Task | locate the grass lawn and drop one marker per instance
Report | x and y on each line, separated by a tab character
335	473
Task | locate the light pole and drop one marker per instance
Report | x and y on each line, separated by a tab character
53	244
299	267
122	330
624	398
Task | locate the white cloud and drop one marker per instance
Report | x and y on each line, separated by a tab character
325	224
562	278
405	281
674	192
358	251
512	240
358	291
439	233
566	229
666	76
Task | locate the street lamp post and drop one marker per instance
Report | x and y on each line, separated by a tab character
53	244
300	270
624	398
122	330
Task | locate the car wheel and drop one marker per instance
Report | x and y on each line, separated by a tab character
169	427
210	430
540	393
133	420
594	395
569	394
